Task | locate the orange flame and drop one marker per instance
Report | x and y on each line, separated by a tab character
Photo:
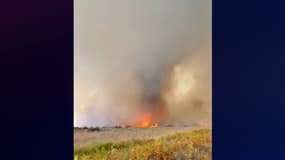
145	121
154	125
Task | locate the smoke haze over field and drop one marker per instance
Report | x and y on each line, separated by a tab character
134	56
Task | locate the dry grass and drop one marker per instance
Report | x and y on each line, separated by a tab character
83	137
195	145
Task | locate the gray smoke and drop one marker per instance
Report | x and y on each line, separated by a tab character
125	51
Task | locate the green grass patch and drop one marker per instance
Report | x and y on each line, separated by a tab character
196	145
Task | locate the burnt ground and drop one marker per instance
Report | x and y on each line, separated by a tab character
85	137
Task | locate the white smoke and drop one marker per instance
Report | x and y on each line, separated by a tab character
125	50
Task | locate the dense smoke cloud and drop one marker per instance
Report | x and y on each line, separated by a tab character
126	53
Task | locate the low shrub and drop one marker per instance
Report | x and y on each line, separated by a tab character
196	145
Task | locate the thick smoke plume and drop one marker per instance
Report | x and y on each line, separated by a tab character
133	57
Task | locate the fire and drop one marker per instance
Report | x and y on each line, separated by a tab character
154	125
146	121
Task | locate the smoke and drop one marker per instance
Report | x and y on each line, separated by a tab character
134	56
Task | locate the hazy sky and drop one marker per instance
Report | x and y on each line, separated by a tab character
123	48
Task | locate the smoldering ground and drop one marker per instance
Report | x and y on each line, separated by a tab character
134	56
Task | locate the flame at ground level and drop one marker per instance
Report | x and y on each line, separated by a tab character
145	121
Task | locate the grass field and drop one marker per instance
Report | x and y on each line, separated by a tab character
192	145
